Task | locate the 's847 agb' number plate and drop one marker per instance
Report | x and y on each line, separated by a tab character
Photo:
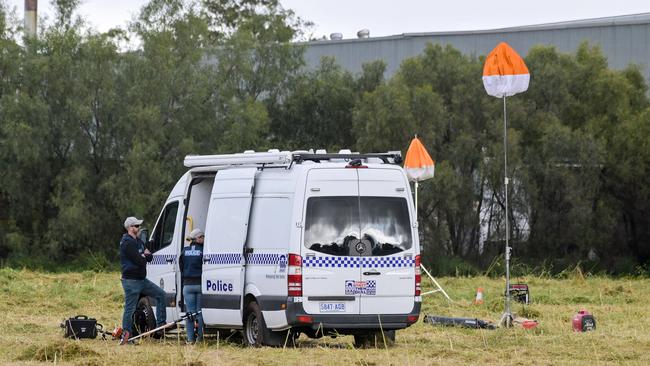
332	307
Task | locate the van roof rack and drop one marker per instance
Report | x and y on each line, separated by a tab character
387	158
283	158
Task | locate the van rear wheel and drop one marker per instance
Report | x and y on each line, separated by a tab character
375	339
256	333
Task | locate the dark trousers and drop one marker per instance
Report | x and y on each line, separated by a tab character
132	291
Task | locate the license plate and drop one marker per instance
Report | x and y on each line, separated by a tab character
332	307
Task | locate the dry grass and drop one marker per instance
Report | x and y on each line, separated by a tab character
35	303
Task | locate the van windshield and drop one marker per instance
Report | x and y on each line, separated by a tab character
334	225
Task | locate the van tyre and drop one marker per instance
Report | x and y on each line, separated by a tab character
256	333
374	339
143	318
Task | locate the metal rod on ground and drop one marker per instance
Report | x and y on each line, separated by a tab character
506	318
440	289
167	325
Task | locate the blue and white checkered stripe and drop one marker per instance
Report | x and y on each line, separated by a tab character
387	262
263	259
272	259
159	259
346	262
356	262
223	258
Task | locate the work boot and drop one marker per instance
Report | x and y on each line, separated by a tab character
125	338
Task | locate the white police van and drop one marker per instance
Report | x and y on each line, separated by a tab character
300	242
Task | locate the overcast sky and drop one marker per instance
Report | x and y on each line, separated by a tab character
389	17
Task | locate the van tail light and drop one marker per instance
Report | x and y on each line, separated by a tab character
294	275
306	319
418	276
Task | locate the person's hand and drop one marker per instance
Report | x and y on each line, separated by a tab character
146	251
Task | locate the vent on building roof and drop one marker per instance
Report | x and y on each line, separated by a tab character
364	33
336	36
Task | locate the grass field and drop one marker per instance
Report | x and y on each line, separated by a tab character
33	305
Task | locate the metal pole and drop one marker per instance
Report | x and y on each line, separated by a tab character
506	319
416	201
439	289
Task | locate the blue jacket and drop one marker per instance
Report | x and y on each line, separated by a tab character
191	262
133	261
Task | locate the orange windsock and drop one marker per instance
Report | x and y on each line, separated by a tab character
418	164
504	72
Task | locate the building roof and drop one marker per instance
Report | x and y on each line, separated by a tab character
623	39
631	19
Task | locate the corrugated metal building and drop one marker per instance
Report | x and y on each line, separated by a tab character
623	39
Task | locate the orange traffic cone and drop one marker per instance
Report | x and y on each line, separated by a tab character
479	296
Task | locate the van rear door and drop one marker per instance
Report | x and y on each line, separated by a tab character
226	231
331	230
388	269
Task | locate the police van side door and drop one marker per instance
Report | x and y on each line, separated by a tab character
226	231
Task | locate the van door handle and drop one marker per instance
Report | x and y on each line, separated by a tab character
206	259
169	260
371	273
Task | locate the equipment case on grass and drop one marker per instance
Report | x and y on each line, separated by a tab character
80	327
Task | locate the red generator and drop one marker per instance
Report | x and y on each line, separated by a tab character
583	321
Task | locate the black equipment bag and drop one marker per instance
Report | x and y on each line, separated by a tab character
459	322
80	327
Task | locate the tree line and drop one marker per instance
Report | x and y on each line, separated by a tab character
94	127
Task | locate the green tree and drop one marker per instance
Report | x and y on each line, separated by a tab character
626	176
10	238
317	110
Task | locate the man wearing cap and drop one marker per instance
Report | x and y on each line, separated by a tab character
133	261
191	262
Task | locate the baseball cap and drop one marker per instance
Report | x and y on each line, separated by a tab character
130	221
196	233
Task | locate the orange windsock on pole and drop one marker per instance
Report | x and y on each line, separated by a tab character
504	72
418	164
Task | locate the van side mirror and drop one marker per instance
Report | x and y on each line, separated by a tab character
144	235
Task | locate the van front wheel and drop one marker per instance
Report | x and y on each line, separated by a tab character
254	327
143	317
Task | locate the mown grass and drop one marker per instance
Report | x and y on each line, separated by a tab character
33	305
